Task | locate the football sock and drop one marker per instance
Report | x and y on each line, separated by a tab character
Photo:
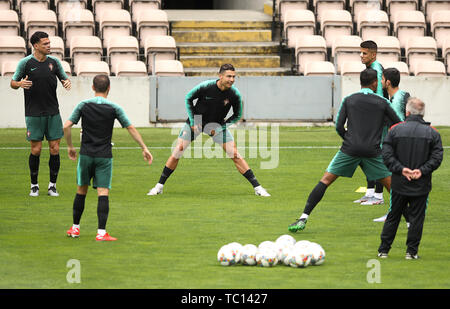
378	187
33	162
165	174
251	178
314	197
102	211
101	232
370	188
54	163
78	208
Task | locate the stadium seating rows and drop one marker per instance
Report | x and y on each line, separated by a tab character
126	37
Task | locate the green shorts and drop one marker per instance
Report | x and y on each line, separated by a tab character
221	137
345	165
98	169
39	126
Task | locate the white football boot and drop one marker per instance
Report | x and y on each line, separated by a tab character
158	189
260	191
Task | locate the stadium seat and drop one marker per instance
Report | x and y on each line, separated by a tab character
352	68
131	68
358	6
92	68
169	68
335	23
418	49
40	20
430	68
431	6
394	6
9	23
320	6
12	48
25	6
440	26
115	23
121	48
309	48
388	49
100	6
286	5
66	67
373	23
319	68
159	47
137	6
446	53
298	23
63	6
56	47
85	48
399	65
346	48
77	23
6	4
9	68
408	24
151	22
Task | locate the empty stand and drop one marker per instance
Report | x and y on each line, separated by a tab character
137	6
62	6
373	23
388	49
446	53
12	48
440	26
419	49
40	20
298	23
77	22
101	6
352	68
394	6
159	47
56	47
334	24
9	23
92	68
319	68
169	68
5	4
431	6
151	22
85	48
358	6
401	66
346	48
309	48
114	23
131	68
408	24
66	67
429	68
121	48
321	6
287	5
8	68
26	6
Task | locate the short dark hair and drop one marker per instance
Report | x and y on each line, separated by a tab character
101	83
226	67
369	45
392	75
367	77
37	36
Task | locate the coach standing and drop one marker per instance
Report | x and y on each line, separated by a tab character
412	150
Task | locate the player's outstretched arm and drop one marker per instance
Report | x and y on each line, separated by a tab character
68	136
138	138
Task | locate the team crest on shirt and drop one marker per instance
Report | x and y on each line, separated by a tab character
225	102
50	66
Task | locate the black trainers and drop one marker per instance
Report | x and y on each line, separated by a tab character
52	191
298	225
34	191
410	256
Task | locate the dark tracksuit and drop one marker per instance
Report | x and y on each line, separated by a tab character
416	145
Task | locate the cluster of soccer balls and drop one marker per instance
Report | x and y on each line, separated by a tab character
285	250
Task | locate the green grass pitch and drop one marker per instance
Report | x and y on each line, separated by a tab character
170	241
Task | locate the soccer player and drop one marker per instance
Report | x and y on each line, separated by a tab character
374	193
95	160
214	98
412	150
365	114
37	74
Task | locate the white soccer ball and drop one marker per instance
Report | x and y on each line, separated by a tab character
267	244
299	257
237	249
248	254
284	252
317	254
286	239
226	255
266	257
302	244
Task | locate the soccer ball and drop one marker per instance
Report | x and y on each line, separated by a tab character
237	249
285	239
267	244
299	257
302	244
248	254
283	252
317	254
227	256
266	257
